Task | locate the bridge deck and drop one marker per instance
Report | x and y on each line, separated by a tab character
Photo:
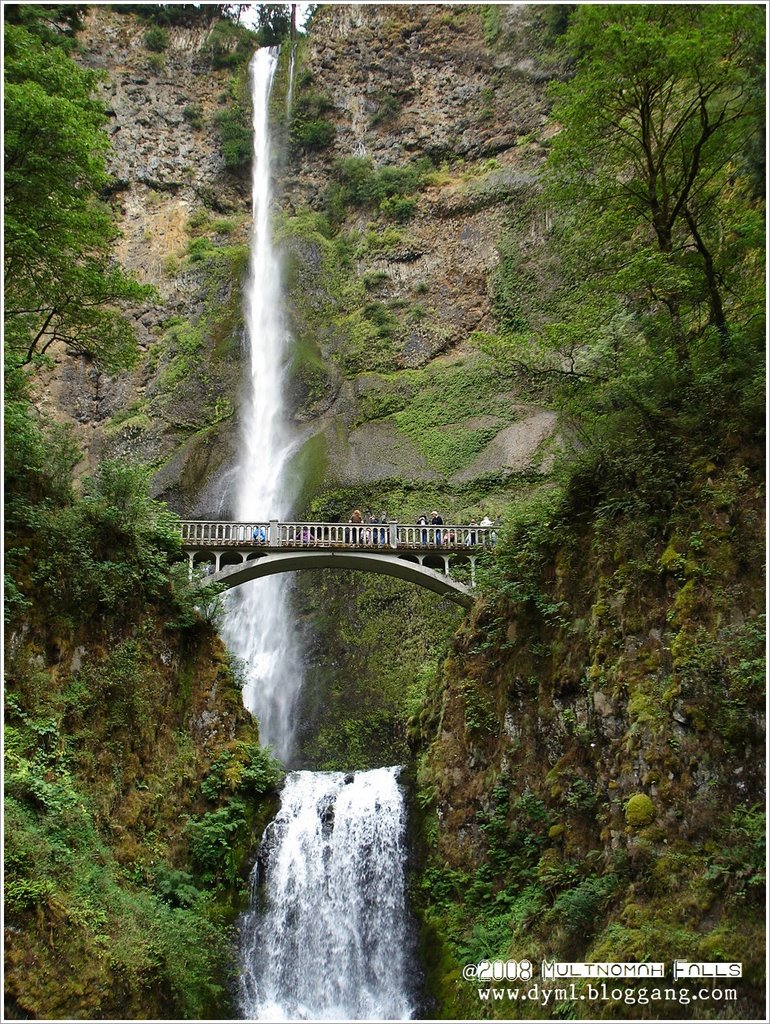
270	536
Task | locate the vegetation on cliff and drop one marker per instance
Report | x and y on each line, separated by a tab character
134	779
609	690
588	757
61	284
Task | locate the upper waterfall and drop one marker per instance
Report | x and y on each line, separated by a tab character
258	626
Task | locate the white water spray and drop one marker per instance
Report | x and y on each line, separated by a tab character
290	88
332	941
258	627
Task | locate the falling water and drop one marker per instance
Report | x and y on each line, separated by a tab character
332	941
258	623
327	934
290	87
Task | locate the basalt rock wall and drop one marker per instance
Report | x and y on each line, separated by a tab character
382	299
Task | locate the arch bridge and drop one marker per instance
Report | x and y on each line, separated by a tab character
235	553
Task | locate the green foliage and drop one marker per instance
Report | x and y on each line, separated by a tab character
640	810
580	908
156	39
491	20
107	551
309	129
59	868
193	115
236	137
212	838
245	768
60	281
387	108
648	323
738	865
444	398
388	188
316	134
229	45
533	527
54	24
274	22
189	15
39	454
156	63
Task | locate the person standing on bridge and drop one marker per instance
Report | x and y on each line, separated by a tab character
470	537
436	520
356	520
423	521
369	534
383	531
486	521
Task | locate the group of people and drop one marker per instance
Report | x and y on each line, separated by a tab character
448	538
368	529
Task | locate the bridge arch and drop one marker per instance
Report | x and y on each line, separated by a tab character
233	575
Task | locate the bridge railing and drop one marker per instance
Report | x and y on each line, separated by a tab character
203	533
274	534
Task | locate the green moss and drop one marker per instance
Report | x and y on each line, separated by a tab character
639	811
443	398
229	45
308	469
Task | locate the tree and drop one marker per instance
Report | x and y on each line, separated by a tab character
61	283
274	23
658	224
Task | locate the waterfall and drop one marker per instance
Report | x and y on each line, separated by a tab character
258	623
327	935
331	942
290	87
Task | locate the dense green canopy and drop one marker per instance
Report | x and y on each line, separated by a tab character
61	282
653	186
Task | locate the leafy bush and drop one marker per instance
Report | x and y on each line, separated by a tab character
579	908
109	550
738	865
245	768
316	134
229	45
359	183
156	39
193	114
387	108
212	838
236	138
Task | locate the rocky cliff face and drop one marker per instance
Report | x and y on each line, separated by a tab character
411	87
593	755
168	167
387	302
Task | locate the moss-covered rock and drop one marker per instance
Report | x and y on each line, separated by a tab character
639	811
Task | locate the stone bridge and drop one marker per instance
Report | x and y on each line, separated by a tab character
234	553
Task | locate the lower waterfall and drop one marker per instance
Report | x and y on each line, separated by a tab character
327	937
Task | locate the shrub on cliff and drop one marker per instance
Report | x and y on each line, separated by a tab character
156	39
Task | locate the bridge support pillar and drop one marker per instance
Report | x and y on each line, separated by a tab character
190	564
217	559
473	571
446	565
